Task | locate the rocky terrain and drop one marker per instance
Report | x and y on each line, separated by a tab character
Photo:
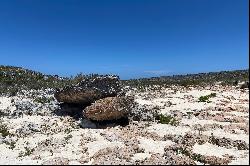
102	120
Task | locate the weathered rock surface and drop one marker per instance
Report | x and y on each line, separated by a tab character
110	108
89	90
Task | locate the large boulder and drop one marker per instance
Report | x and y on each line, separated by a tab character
110	108
90	89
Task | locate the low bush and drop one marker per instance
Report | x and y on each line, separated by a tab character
167	119
206	98
4	130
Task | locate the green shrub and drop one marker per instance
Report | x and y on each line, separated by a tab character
203	98
212	95
206	98
197	157
4	130
167	119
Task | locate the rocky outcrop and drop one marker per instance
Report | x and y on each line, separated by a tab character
110	108
101	99
90	89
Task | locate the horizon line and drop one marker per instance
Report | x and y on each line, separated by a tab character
150	77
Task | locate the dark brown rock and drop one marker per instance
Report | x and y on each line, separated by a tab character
110	108
89	90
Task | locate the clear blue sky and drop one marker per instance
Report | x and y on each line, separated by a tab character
131	38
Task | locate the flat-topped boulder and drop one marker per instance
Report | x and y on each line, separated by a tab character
110	108
90	89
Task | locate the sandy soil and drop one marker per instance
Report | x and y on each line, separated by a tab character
53	139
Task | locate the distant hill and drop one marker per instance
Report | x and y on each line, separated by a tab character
14	79
225	77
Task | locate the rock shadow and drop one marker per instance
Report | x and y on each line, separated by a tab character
112	123
75	111
91	124
72	110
